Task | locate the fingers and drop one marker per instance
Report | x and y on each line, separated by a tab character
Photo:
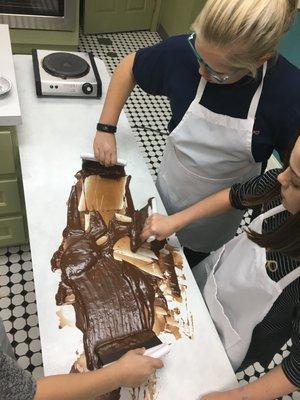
148	229
139	351
107	159
157	363
135	368
113	158
96	152
152	227
105	149
101	156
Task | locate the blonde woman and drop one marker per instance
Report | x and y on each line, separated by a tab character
233	101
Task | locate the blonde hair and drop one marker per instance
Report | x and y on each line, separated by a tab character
246	30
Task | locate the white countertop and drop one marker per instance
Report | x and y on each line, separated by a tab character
10	113
53	134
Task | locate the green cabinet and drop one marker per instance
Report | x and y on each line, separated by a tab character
12	231
13	228
7	163
9	197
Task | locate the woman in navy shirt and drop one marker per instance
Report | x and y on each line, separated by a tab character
233	101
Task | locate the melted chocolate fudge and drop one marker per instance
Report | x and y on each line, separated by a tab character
114	300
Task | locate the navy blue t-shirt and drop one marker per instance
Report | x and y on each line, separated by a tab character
170	68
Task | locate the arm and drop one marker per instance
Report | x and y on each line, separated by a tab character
272	385
227	199
131	370
120	87
282	380
163	226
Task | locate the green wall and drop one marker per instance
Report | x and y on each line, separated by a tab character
290	44
176	16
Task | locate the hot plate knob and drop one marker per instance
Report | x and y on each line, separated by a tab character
87	88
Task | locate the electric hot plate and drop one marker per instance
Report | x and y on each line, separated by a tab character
68	74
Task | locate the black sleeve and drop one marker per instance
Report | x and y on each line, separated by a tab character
15	384
156	68
291	364
287	110
149	69
256	186
287	130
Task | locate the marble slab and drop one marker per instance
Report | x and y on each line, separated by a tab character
53	134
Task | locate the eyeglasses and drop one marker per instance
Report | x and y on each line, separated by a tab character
221	78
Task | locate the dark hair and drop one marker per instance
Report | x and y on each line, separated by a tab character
286	238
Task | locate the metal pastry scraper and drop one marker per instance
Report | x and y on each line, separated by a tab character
152	210
91	157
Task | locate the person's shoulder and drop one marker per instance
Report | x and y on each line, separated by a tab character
283	64
179	55
285	77
171	45
177	42
173	54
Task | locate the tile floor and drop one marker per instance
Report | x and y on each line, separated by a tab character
18	307
148	116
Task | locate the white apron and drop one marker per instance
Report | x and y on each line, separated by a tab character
205	153
238	291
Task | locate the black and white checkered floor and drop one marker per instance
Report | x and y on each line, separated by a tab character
148	116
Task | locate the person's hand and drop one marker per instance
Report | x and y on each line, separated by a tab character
229	395
160	226
135	369
105	148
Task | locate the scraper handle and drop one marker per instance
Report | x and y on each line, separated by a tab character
91	157
152	210
158	351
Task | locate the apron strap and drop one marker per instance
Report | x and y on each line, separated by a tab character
200	89
273	211
257	223
256	97
289	278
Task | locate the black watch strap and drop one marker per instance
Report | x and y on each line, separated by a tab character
106	128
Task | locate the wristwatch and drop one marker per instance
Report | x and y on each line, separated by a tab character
106	128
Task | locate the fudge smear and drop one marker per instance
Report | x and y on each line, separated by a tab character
116	284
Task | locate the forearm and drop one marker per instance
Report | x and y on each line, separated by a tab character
272	385
211	206
83	386
120	87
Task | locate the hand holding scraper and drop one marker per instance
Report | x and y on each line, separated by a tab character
91	157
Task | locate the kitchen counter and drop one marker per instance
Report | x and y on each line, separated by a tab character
10	114
53	134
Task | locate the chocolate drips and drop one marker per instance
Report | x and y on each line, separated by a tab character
95	168
114	301
138	221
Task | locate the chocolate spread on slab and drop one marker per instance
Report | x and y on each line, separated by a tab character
115	301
